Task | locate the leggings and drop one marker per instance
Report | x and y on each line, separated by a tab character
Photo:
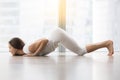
60	36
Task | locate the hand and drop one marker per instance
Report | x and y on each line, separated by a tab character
29	55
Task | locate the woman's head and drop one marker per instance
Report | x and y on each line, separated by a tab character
15	44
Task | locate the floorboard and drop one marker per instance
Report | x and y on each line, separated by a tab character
96	66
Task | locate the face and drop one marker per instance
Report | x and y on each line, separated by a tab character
12	50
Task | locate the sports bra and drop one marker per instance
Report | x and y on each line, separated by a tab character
26	49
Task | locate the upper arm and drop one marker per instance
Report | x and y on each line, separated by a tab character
34	46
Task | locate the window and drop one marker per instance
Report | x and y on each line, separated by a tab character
9	21
87	21
28	19
79	20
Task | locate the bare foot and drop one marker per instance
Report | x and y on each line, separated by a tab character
109	45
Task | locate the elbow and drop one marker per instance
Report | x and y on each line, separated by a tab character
45	41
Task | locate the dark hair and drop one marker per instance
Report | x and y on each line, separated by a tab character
17	43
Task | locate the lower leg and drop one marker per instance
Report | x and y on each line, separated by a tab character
105	44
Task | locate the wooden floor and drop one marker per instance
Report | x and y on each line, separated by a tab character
96	66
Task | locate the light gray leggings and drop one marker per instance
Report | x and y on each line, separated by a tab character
60	36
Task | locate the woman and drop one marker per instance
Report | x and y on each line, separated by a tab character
43	47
